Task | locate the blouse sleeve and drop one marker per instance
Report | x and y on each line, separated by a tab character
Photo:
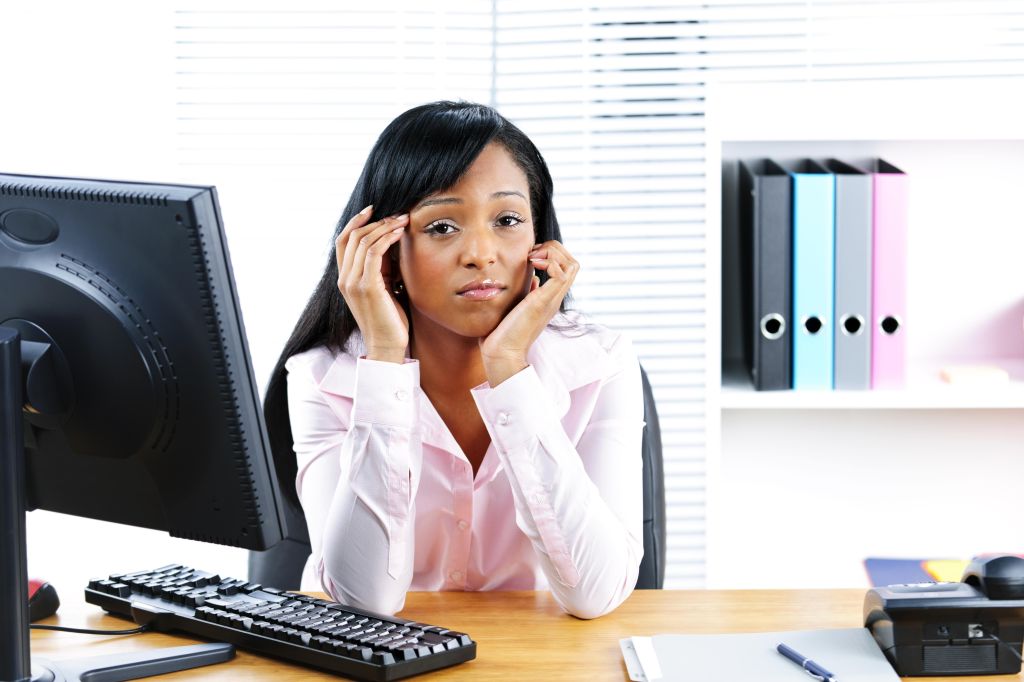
358	471
580	505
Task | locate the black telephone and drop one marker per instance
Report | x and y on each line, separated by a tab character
974	627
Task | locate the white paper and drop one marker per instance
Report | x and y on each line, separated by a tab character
851	654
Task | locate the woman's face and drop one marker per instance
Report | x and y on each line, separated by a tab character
464	258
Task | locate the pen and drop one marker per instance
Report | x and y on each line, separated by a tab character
812	668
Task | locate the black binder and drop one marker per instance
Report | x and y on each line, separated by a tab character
766	234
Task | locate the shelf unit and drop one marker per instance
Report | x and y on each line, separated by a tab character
925	391
770	453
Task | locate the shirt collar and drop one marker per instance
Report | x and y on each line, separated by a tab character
564	360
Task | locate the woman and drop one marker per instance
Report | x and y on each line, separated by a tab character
452	428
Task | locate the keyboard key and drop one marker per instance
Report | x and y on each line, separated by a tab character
120	589
461	637
405	653
383	658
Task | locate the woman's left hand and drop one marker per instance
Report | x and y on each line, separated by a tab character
504	349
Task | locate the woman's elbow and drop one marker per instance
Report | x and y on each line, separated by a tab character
589	609
386	602
597	601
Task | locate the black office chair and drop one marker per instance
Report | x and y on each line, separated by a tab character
281	566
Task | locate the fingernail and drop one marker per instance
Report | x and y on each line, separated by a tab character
366	210
397	230
537	260
402	217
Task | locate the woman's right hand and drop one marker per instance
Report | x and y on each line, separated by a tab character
365	280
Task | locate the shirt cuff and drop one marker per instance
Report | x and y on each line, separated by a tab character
385	392
514	408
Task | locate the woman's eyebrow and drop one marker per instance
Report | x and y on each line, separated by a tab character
508	193
437	201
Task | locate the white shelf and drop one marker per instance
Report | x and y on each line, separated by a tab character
925	391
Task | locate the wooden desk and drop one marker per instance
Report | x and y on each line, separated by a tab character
520	635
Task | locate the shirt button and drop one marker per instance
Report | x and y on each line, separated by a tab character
401	395
456	576
504	418
462	524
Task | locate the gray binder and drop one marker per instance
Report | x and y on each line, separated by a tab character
766	233
852	330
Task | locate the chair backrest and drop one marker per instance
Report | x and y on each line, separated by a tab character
652	567
281	566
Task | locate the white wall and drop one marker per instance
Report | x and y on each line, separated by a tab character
805	496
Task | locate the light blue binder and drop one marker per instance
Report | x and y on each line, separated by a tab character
814	192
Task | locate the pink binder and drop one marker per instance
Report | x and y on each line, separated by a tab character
889	285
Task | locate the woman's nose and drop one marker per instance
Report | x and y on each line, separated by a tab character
479	248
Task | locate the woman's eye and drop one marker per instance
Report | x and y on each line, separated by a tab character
440	229
509	220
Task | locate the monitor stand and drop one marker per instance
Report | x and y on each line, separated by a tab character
15	662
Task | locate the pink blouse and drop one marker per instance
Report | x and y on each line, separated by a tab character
392	504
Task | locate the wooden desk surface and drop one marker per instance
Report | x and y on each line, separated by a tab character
519	635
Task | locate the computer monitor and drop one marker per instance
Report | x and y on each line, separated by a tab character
126	391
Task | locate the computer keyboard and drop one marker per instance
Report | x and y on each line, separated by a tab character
314	632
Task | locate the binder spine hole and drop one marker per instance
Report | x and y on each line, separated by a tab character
853	324
773	326
890	325
813	325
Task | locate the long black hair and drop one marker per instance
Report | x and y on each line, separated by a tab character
423	151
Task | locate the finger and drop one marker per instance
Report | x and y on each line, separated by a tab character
360	239
360	244
556	252
548	296
557	269
374	258
341	242
553	250
554	291
534	282
358	220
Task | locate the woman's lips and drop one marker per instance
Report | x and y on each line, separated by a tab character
482	294
481	290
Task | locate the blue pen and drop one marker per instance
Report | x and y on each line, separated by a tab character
812	668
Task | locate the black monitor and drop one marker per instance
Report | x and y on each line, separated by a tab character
126	389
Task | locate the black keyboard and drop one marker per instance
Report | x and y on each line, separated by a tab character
314	632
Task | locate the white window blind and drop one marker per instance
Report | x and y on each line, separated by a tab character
613	94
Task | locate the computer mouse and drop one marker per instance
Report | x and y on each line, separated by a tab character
42	600
999	577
